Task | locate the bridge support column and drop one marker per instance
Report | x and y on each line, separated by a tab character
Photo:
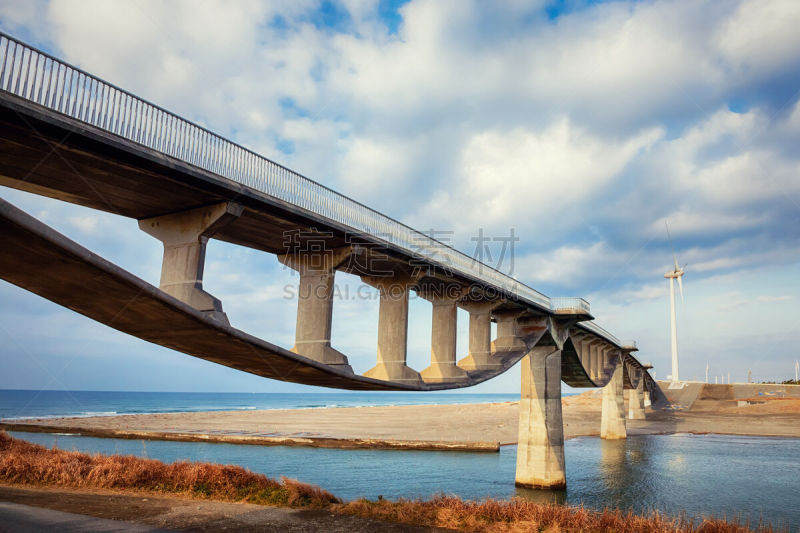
606	360
480	337
317	271
185	235
443	341
647	401
508	339
636	401
612	424
540	450
596	366
392	331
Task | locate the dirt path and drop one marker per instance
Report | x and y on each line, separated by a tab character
173	513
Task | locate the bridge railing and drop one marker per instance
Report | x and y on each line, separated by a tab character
41	78
47	81
569	305
597	330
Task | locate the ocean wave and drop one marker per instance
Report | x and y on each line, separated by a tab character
85	414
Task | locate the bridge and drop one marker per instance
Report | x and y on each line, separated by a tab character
71	136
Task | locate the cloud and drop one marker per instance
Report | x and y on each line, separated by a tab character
85	224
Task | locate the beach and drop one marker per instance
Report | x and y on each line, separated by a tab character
475	427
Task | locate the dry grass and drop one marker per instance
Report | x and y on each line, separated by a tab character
517	515
24	463
30	464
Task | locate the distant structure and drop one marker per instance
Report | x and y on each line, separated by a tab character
677	273
797	371
749	376
706	371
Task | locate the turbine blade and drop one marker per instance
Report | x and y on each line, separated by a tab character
680	286
675	257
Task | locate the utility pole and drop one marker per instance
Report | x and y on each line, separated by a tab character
797	372
729	378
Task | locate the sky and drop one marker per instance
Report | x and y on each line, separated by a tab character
581	126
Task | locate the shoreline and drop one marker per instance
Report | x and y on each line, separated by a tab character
313	442
472	427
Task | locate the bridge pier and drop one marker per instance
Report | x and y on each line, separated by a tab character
636	401
185	235
612	424
443	340
317	271
480	337
540	448
647	401
597	367
392	331
508	339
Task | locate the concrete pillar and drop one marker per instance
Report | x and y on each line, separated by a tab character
636	402
612	424
443	341
597	360
184	236
647	402
540	448
317	271
508	339
480	337
392	330
606	359
585	351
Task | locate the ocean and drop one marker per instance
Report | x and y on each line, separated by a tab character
22	404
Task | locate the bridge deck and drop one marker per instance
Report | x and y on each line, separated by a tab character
43	261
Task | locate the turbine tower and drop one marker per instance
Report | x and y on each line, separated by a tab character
677	273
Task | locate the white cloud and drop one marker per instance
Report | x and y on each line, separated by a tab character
761	36
86	224
522	177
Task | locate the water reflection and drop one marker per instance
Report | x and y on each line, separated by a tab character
541	495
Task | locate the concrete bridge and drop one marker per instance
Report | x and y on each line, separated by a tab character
71	136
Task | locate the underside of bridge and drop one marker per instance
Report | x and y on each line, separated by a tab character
183	205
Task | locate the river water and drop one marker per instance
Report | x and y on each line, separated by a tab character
753	478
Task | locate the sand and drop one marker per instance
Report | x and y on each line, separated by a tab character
482	427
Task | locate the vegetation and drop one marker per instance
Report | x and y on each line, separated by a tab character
24	463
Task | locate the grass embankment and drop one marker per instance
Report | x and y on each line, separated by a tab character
30	464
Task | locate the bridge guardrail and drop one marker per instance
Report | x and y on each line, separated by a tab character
52	83
41	78
569	305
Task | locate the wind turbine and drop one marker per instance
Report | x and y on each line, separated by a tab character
677	273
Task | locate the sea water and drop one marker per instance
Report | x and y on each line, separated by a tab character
752	478
22	404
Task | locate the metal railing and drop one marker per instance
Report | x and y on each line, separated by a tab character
564	304
41	78
597	330
47	81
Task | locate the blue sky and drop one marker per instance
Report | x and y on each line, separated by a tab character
581	125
